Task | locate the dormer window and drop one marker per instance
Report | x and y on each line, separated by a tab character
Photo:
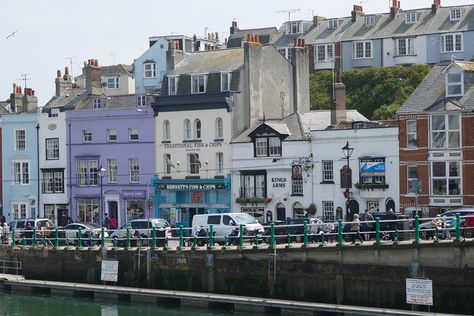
198	84
112	82
293	27
172	85
455	14
410	17
370	20
333	24
454	84
267	146
225	81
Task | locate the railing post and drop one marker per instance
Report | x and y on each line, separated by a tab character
272	235
140	242
417	229
225	240
323	239
436	232
339	232
397	237
90	240
289	240
34	236
458	227
181	236
102	238
153	241
305	234
127	245
56	238
211	236
79	238
256	241
13	238
241	236
377	231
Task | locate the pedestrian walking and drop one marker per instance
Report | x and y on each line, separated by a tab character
355	229
369	225
5	233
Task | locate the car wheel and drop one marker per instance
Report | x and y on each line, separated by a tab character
385	235
469	233
425	234
299	239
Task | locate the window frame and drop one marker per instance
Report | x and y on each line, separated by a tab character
455	14
446	177
133	135
411	134
111	133
134	170
112	83
198	83
219	128
220	163
141	100
56	183
226	77
149	73
454	42
193	163
411	17
188	132
112	170
447	131
369	20
87	174
364	50
19	210
21	175
459	83
328	211
20	139
264	148
297	184
325	47
87	136
411	179
96	103
166	130
253	184
173	88
51	153
327	170
333	24
197	129
409	46
167	164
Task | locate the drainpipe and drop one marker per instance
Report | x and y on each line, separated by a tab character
38	171
69	171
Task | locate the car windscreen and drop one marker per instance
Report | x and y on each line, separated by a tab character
20	224
245	219
160	223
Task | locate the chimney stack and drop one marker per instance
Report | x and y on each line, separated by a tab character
338	108
317	19
395	8
92	76
300	62
30	101
435	6
233	28
62	83
356	12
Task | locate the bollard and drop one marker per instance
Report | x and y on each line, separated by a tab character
339	232
102	238
13	237
79	238
305	234
417	229
153	241
377	231
272	235
56	238
211	236
128	238
241	236
181	236
458	227
34	236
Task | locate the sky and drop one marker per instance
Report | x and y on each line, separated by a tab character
48	34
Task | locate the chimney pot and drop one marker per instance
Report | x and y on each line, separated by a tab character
66	71
248	38
19	90
14	88
58	73
32	92
303	44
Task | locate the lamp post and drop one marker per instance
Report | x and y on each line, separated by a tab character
102	171
347	153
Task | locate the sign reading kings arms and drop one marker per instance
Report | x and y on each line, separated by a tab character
186	186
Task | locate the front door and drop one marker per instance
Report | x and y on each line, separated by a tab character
281	212
352	208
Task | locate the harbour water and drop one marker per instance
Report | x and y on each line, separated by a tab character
45	305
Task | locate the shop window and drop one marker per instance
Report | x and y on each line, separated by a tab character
135	209
88	210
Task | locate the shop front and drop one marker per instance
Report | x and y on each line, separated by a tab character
134	203
179	200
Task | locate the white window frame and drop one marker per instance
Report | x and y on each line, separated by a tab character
149	70
411	134
261	146
21	172
88	210
134	170
328	211
52	182
220	163
87	136
194	164
285	52
141	100
333	24
197	129
198	83
52	148
96	103
112	82
367	50
172	85
167	164
455	14
133	135
325	49
408	46
188	132
20	139
454	39
328	170
446	177
293	27
411	17
411	180
225	81
19	210
454	83
166	130
369	20
219	128
274	146
111	135
87	172
448	131
112	170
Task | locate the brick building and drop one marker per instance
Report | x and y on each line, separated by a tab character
437	141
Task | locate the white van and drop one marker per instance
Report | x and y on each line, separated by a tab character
224	223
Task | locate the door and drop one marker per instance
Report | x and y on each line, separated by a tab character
281	212
112	207
352	208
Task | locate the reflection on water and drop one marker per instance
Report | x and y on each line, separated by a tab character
44	305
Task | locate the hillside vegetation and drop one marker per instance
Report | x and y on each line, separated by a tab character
377	93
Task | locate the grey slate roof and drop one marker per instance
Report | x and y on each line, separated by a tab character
266	35
70	96
116	70
210	61
321	119
430	95
386	27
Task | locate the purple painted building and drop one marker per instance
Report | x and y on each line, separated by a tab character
111	163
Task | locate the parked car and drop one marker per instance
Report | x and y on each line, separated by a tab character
143	228
295	228
71	231
387	228
44	228
427	230
224	223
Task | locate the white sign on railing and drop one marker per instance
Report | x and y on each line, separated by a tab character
109	270
419	291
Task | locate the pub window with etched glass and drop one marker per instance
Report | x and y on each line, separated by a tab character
297	180
445	178
445	131
252	185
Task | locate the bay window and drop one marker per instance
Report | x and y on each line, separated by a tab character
445	178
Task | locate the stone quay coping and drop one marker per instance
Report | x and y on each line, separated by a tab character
211	298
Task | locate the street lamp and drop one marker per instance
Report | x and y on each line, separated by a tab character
347	153
102	171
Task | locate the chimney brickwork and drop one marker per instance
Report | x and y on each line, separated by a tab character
92	75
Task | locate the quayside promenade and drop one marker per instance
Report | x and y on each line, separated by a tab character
371	274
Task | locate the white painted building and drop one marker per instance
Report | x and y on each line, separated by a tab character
374	164
53	157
